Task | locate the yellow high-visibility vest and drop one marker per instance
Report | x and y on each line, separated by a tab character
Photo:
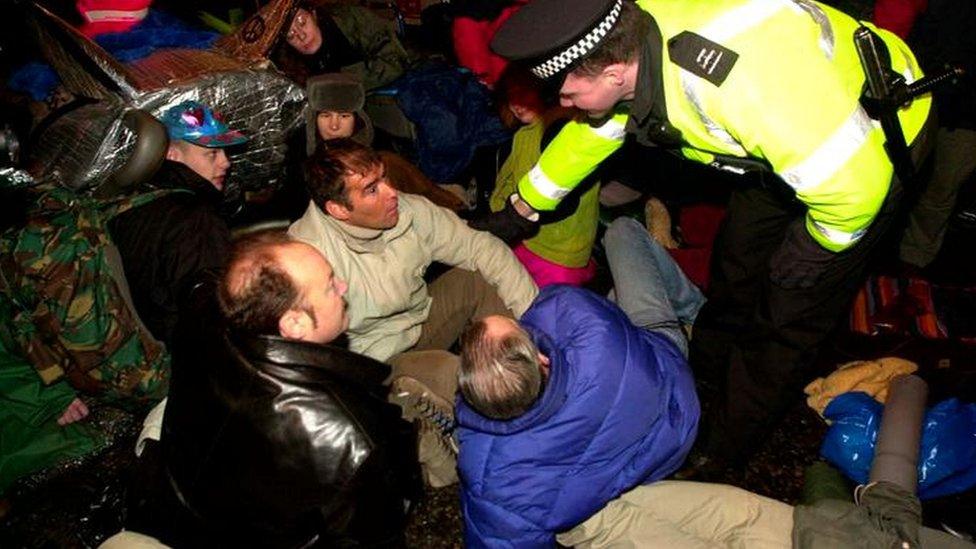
791	99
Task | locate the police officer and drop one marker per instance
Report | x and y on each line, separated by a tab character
766	86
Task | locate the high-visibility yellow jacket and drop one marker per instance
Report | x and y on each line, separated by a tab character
791	100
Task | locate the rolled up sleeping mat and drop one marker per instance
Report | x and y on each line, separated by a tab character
146	157
896	451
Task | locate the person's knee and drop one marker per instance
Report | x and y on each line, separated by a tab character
622	231
477	287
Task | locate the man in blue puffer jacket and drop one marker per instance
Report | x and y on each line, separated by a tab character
574	406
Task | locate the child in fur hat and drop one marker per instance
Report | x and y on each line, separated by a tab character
336	102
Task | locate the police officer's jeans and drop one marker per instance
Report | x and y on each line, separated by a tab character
755	339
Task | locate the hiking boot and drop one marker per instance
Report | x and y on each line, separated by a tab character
437	456
436	449
657	219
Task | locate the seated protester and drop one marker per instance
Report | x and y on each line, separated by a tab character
335	111
341	37
383	241
271	437
166	242
560	252
579	402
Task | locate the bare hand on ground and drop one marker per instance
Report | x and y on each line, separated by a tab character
75	411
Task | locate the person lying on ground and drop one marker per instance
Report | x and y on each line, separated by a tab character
579	402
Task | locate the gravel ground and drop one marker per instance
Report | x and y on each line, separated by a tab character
83	502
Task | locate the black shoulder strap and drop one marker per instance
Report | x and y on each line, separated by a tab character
702	57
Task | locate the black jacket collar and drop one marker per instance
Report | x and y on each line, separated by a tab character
176	175
295	356
648	111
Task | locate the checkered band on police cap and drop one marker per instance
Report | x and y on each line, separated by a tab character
560	61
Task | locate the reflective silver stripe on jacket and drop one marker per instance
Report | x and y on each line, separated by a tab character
837	236
545	186
832	154
611	129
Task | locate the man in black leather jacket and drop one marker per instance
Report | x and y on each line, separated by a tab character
277	440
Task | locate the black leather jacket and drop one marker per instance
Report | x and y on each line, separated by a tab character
274	443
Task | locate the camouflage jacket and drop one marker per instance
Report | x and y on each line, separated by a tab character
64	310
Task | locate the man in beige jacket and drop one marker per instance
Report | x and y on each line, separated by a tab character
382	242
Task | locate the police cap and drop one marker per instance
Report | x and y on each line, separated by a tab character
553	36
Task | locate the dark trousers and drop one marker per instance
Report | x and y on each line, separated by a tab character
756	339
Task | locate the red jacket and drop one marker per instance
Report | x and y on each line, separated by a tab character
471	44
898	16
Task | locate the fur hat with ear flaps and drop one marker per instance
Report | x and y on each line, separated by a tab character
336	92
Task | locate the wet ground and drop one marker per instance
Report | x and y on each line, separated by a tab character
82	503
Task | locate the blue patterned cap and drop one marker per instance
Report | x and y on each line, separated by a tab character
199	124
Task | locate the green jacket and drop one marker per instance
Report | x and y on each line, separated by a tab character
567	242
385	59
790	100
63	307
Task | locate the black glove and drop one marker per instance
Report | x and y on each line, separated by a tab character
506	224
800	262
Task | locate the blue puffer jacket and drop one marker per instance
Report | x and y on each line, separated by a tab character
619	410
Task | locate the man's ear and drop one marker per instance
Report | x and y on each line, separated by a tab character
615	73
294	324
337	210
173	153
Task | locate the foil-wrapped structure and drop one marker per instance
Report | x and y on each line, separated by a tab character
88	142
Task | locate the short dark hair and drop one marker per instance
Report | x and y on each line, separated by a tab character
622	45
255	292
327	168
500	377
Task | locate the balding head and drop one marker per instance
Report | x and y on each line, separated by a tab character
277	286
502	370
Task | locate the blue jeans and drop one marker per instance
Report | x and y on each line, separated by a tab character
648	285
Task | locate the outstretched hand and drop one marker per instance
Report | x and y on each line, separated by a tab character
507	224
